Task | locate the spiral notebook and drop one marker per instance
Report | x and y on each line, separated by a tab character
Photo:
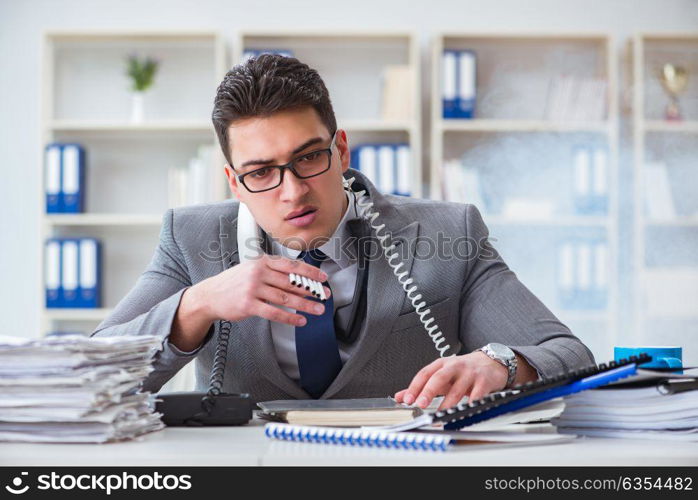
418	440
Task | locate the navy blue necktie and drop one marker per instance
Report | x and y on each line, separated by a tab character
316	344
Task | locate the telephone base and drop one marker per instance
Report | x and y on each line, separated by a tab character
185	409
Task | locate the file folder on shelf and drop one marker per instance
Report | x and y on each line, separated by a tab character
73	273
73	178
590	180
386	165
69	272
459	84
52	168
52	273
466	84
90	268
449	92
582	275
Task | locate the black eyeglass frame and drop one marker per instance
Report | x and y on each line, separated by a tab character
290	166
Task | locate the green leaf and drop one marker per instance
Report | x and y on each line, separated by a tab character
141	72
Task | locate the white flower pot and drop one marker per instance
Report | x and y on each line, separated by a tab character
137	107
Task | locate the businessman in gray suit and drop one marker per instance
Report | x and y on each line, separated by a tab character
288	163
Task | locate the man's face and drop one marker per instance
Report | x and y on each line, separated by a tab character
276	140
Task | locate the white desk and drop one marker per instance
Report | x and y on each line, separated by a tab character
247	445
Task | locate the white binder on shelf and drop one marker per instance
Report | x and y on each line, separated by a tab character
467	84
582	179
73	178
52	168
599	183
600	281
386	168
69	272
449	91
368	162
52	273
403	170
90	270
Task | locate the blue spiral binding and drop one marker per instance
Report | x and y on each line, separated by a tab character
357	437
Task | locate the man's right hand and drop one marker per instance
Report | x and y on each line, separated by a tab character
252	288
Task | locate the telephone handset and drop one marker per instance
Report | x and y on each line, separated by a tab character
194	409
368	213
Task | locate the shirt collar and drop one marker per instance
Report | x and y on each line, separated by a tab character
332	247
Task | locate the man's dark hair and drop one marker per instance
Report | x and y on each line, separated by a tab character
265	85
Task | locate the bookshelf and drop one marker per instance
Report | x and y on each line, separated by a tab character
353	80
521	152
665	224
86	100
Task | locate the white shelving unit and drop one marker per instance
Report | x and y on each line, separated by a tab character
86	100
513	73
665	247
353	80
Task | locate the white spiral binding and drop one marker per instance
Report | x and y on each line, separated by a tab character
358	437
371	215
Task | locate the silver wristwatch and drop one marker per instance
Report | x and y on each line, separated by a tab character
503	355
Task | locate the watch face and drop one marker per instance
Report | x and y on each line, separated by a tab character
502	351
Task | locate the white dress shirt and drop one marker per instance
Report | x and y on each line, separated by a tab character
341	272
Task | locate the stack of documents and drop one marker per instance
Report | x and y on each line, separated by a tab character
665	409
75	389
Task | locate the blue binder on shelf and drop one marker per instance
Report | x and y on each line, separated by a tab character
52	173
582	274
467	83
590	180
73	178
73	273
386	165
386	168
449	91
365	159
69	272
459	90
599	181
403	162
89	281
52	273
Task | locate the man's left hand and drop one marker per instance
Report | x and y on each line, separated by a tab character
474	375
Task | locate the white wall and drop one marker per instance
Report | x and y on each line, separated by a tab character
23	21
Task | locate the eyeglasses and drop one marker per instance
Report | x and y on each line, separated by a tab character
306	166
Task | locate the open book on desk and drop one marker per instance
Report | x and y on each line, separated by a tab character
339	412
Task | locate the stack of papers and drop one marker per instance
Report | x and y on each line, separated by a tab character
76	389
651	410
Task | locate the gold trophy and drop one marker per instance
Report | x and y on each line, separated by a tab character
674	80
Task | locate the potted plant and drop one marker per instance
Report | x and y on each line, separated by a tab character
142	74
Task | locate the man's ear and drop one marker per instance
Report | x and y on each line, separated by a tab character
343	148
232	180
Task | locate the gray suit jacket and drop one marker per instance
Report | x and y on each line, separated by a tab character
472	294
